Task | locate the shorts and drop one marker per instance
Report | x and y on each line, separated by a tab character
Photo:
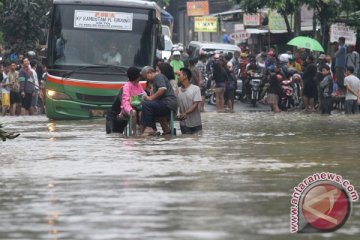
15	97
219	85
220	90
26	101
229	93
5	100
190	130
310	90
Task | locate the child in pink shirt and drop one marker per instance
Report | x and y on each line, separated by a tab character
131	88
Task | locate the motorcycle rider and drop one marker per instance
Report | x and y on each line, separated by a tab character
251	69
293	64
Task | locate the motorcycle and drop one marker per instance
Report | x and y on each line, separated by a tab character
255	83
286	101
209	90
291	93
239	87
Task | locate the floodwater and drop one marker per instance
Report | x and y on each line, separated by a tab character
69	180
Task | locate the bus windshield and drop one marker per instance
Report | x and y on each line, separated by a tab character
101	35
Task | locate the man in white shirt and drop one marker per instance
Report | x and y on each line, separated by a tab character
189	97
353	59
112	57
352	85
34	101
5	89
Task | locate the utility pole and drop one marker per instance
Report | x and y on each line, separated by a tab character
297	24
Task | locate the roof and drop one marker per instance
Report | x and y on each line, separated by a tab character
228	12
125	3
217	46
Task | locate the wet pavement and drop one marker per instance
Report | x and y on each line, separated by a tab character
69	180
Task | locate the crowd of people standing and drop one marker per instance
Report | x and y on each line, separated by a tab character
326	81
21	84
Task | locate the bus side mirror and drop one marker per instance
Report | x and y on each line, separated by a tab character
43	56
161	42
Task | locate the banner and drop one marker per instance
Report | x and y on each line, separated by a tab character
277	22
198	8
342	30
103	20
206	24
252	19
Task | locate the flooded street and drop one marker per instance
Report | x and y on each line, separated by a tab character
69	180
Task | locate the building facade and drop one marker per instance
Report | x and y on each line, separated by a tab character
184	25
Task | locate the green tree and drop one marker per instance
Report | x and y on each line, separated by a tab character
326	11
162	3
284	7
21	21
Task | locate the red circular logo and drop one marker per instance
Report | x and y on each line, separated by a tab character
326	207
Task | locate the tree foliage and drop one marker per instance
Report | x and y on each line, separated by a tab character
162	3
21	23
326	11
283	7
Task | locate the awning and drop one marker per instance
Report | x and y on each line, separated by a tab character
303	28
227	12
256	31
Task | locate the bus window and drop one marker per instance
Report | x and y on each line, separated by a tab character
81	46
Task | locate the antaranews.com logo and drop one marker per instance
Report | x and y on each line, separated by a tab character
321	203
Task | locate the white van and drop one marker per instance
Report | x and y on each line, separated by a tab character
166	53
196	48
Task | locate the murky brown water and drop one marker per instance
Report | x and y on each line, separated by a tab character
69	180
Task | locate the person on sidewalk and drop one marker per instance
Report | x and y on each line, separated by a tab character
15	99
352	85
340	63
189	98
326	89
353	59
160	103
6	88
27	87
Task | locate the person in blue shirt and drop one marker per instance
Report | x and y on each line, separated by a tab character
225	37
340	63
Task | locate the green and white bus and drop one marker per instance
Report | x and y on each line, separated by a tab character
91	43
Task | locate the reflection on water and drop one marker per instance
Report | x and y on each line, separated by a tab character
69	180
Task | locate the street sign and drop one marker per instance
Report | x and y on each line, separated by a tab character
252	19
240	35
198	8
206	24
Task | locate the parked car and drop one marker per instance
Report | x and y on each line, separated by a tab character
196	48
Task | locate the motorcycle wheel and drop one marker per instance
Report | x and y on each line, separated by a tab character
212	99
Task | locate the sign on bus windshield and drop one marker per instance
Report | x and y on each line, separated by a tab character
103	20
